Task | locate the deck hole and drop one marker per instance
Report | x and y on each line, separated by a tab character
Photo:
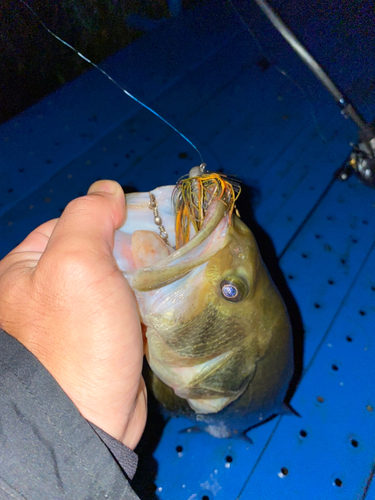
329	217
127	155
205	497
263	63
229	459
338	482
354	443
331	282
320	399
57	144
318	236
10	190
284	471
365	222
302	433
354	240
343	261
373	288
49	161
182	155
304	255
289	218
179	448
349	338
362	313
317	306
335	368
115	164
290	276
20	170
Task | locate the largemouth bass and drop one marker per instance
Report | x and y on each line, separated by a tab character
218	338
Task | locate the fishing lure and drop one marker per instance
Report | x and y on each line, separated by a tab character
193	195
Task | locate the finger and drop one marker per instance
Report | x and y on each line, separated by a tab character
88	223
37	240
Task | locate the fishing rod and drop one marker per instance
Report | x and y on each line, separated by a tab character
362	159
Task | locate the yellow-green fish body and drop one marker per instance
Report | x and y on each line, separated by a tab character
218	335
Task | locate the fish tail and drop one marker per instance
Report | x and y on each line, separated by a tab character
286	409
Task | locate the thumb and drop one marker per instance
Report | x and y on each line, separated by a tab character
88	224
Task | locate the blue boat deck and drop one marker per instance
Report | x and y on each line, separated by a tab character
261	115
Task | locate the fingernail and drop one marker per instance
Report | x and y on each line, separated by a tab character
106	186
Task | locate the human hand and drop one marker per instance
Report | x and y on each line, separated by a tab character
64	298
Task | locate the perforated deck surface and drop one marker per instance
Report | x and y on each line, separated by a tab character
204	72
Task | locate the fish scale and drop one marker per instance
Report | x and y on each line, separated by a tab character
193	338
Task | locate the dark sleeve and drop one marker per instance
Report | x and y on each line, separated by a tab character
47	449
126	458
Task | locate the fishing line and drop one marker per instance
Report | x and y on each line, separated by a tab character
305	93
111	79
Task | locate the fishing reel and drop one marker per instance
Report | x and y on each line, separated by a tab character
361	161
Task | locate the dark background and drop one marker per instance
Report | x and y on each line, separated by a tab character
33	63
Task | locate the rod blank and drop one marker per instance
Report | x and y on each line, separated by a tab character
307	58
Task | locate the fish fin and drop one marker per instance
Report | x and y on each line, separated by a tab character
148	248
246	438
286	409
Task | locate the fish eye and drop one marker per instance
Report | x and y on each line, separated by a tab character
234	289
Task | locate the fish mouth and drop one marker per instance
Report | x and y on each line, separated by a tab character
204	245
